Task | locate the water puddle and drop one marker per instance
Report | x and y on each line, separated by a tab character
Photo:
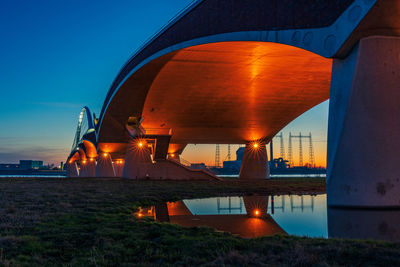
253	216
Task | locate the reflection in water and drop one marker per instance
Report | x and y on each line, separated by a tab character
252	216
248	216
255	222
364	224
161	212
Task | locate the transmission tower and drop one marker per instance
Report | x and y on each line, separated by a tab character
290	155
280	136
300	151
312	160
217	156
311	150
229	152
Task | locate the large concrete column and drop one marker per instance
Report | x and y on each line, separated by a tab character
364	126
175	151
138	164
161	148
175	157
119	167
254	162
72	169
88	168
104	167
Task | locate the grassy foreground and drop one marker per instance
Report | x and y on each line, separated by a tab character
89	222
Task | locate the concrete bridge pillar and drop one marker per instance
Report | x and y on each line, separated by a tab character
72	169
88	168
119	167
161	147
174	156
254	162
138	163
364	126
175	151
104	166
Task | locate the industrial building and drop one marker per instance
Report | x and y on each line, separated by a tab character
23	165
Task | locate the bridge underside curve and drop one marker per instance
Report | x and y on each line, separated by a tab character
229	92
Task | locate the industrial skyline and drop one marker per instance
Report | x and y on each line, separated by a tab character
207	152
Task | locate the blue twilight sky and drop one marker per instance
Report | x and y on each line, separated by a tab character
59	55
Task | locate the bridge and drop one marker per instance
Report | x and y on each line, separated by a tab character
232	71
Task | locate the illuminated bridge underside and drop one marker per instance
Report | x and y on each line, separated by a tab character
228	92
232	71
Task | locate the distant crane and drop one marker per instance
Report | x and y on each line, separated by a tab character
311	149
229	152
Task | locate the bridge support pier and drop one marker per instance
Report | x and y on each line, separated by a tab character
175	151
138	163
364	126
119	168
254	162
175	157
88	169
72	169
104	167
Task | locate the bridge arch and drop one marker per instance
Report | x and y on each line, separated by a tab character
85	136
322	29
231	75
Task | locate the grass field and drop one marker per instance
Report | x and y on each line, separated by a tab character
90	222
